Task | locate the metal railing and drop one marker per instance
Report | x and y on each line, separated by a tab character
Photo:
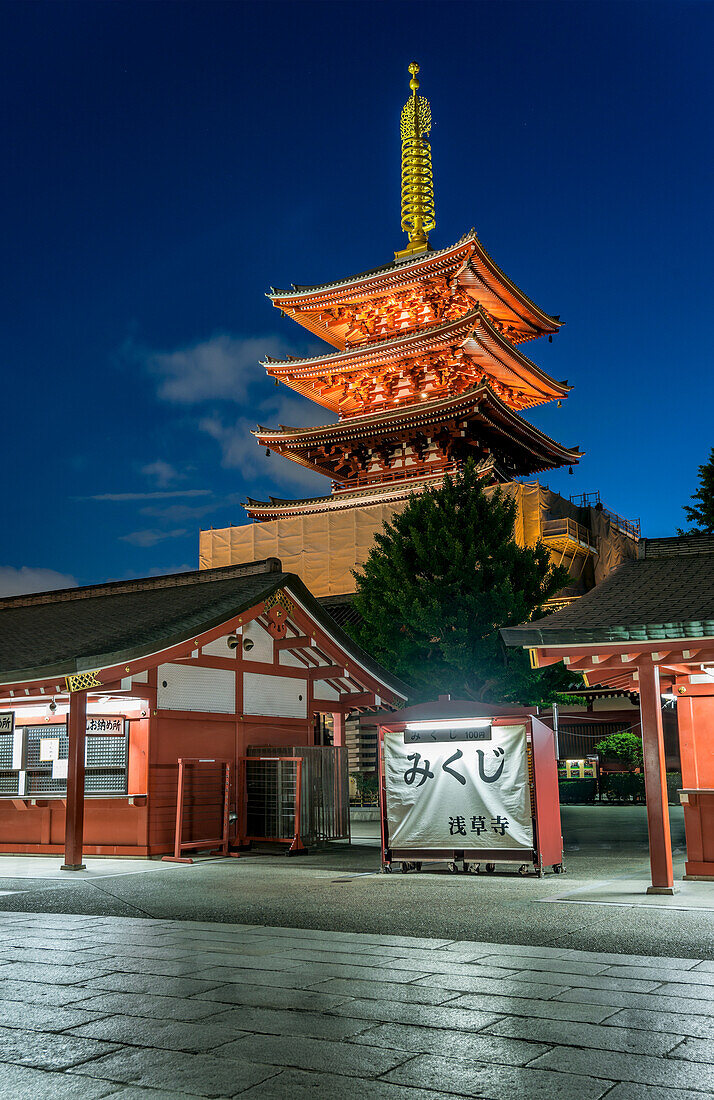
592	500
567	530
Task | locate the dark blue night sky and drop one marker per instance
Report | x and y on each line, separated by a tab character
164	164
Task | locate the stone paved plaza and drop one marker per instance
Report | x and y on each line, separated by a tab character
128	1008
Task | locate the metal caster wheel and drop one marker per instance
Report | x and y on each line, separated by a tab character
466	868
558	868
490	868
453	868
387	869
417	866
523	869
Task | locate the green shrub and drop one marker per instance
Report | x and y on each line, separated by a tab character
574	791
623	787
624	747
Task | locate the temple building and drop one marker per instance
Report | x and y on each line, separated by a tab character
425	367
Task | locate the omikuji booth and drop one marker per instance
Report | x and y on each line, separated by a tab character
171	714
470	786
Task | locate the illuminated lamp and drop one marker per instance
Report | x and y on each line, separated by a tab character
449	724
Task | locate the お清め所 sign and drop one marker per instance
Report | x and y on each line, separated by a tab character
459	794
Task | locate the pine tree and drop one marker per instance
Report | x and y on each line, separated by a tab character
441	580
701	514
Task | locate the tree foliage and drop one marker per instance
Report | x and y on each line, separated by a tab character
440	581
701	513
625	747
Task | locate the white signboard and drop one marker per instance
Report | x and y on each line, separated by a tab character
49	749
459	794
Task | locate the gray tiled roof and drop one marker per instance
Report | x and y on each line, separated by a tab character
667	593
59	633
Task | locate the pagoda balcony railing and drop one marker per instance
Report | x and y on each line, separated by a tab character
567	535
631	528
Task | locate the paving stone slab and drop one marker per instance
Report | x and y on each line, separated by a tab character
39	993
655	1002
583	1036
416	994
44	1017
630	1091
356	937
57	975
458	1045
147	983
269	1021
494	1082
431	964
695	1050
534	964
25	1083
663	1072
136	1092
191	1036
201	1075
680	989
154	1007
400	1012
263	996
701	1027
489	985
316	1055
48	1051
295	1084
538	1009
664	974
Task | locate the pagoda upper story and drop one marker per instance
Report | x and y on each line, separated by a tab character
428	369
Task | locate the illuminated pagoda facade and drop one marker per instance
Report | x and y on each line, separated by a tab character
425	366
428	369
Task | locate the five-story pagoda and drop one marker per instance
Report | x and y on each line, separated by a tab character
428	369
427	372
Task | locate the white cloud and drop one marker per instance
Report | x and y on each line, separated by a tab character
151	536
150	496
16	582
163	473
241	450
220	368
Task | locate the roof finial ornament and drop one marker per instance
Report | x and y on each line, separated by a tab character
418	217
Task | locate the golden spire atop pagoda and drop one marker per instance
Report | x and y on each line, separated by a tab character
418	218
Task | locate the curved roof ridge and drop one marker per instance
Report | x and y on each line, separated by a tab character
394	265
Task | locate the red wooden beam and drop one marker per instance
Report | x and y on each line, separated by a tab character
326	672
298	641
74	817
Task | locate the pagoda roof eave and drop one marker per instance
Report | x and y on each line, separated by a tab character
304	301
413	343
478	401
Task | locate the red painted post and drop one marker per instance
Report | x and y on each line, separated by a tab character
338	728
655	781
74	817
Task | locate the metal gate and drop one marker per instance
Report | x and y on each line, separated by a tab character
272	798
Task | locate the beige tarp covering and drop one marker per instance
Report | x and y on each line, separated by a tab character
325	547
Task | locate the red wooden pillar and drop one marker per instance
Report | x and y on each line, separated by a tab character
74	817
338	728
655	781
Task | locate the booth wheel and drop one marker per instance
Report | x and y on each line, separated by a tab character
490	868
454	868
466	867
523	869
558	868
386	868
